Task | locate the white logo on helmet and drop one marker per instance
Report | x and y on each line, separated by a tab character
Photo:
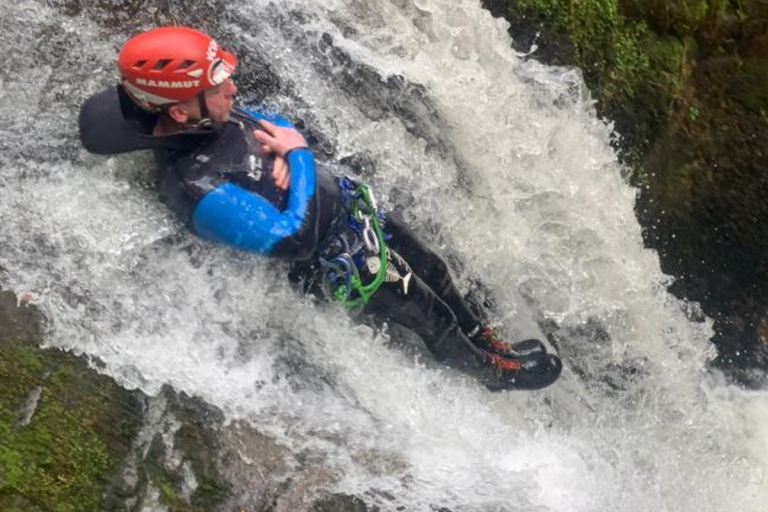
219	71
169	84
212	51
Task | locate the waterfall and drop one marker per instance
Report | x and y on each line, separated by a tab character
497	161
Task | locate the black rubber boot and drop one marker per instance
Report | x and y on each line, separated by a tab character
529	372
499	373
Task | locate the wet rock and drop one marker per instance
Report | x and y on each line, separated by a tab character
341	503
130	479
252	457
73	439
75	425
30	406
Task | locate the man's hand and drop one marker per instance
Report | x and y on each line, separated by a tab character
279	140
280	173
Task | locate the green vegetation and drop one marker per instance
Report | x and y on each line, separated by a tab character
67	433
59	454
608	47
636	55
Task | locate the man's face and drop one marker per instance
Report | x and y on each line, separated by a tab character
218	100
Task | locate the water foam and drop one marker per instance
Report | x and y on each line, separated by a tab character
527	197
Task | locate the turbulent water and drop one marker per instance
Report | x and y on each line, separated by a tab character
496	160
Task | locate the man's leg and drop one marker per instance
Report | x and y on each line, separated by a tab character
410	302
435	273
432	270
407	300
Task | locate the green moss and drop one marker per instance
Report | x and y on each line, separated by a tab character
54	461
679	17
749	89
167	493
343	503
611	49
637	55
63	460
210	492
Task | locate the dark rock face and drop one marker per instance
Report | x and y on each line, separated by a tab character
686	84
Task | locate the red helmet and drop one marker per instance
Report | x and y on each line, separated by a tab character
172	64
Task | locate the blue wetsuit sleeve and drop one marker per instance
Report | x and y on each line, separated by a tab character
245	220
272	118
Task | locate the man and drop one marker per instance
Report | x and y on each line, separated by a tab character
249	180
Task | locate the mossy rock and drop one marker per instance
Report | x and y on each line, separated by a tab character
710	180
341	503
197	440
679	17
63	429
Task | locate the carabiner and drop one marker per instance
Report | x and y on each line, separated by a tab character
370	199
369	237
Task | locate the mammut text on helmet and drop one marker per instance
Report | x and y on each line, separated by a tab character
184	84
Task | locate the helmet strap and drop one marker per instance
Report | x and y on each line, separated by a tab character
205	119
204	122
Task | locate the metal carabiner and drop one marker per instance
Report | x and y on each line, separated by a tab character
344	243
338	275
369	237
371	200
349	263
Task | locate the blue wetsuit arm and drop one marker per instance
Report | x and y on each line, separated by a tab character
257	115
245	220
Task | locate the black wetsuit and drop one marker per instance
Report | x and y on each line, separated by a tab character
193	164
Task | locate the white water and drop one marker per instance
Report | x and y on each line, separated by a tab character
635	423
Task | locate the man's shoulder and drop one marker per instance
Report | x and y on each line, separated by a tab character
225	145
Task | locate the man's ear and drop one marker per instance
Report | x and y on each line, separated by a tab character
178	113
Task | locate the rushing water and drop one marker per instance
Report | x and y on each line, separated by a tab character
499	162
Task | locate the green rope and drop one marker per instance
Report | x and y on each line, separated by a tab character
365	291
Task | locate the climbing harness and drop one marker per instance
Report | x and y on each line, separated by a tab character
341	273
